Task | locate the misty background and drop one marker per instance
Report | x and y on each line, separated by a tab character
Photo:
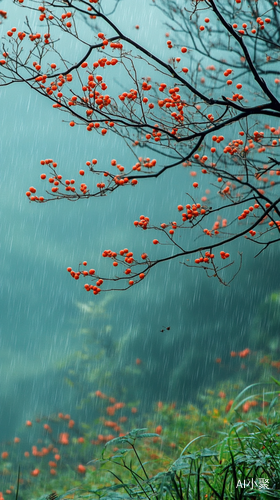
45	315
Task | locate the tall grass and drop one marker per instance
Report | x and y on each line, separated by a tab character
242	462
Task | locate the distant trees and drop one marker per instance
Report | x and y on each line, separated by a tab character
210	106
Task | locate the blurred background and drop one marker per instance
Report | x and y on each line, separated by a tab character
166	339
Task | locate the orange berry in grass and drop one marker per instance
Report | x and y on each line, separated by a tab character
35	472
81	469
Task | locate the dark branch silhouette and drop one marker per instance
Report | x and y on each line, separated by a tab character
176	114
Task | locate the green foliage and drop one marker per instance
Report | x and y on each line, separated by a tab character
248	452
265	329
230	434
165	366
193	454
